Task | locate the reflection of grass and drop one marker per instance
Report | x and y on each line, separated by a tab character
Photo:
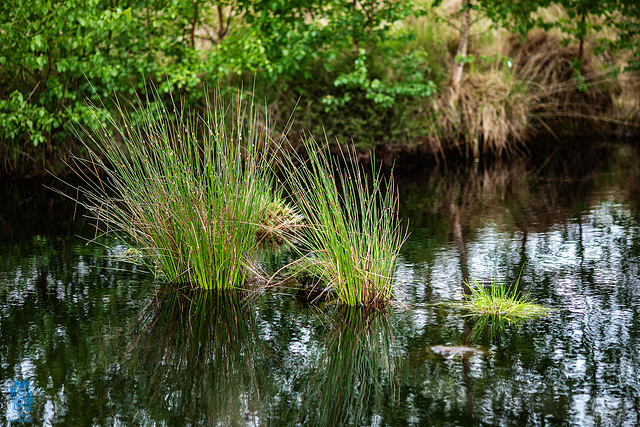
355	371
493	326
199	353
501	303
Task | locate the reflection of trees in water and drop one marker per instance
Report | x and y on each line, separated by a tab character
202	359
574	220
454	209
206	360
585	374
523	193
354	372
28	207
59	304
514	191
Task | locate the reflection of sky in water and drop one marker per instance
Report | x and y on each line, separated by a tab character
578	366
585	356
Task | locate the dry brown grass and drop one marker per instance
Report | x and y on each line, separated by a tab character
546	62
501	106
626	106
492	115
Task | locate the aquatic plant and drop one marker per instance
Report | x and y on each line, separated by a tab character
187	191
498	301
352	234
278	220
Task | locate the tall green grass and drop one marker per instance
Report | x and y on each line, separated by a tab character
352	235
195	196
187	191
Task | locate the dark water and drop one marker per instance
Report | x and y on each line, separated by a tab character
98	349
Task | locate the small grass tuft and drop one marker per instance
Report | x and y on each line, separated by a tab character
497	301
278	221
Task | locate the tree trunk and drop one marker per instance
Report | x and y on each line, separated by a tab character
355	30
462	251
582	35
463	44
194	24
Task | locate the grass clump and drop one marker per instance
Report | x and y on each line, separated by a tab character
568	87
494	113
352	235
188	192
499	302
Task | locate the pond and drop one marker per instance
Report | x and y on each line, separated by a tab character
99	345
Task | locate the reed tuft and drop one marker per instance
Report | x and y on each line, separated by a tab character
500	303
352	234
187	191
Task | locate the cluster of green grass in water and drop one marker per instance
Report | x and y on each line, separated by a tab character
352	235
197	197
498	303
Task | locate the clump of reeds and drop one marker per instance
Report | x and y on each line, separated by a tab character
492	116
567	85
497	301
352	234
187	191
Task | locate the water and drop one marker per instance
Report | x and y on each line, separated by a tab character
99	346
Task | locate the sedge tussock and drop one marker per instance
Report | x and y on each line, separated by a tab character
498	302
352	235
187	191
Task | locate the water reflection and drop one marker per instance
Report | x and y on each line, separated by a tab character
201	357
355	371
490	330
101	350
479	219
60	307
579	236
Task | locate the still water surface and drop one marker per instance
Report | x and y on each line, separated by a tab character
99	349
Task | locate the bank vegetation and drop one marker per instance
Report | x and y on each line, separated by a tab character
446	78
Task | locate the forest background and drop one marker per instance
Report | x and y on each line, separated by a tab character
445	78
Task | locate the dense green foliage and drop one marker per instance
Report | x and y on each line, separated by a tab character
361	69
583	16
54	55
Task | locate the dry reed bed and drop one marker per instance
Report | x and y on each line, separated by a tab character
542	89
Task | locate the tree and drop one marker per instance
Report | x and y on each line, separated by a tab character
461	53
